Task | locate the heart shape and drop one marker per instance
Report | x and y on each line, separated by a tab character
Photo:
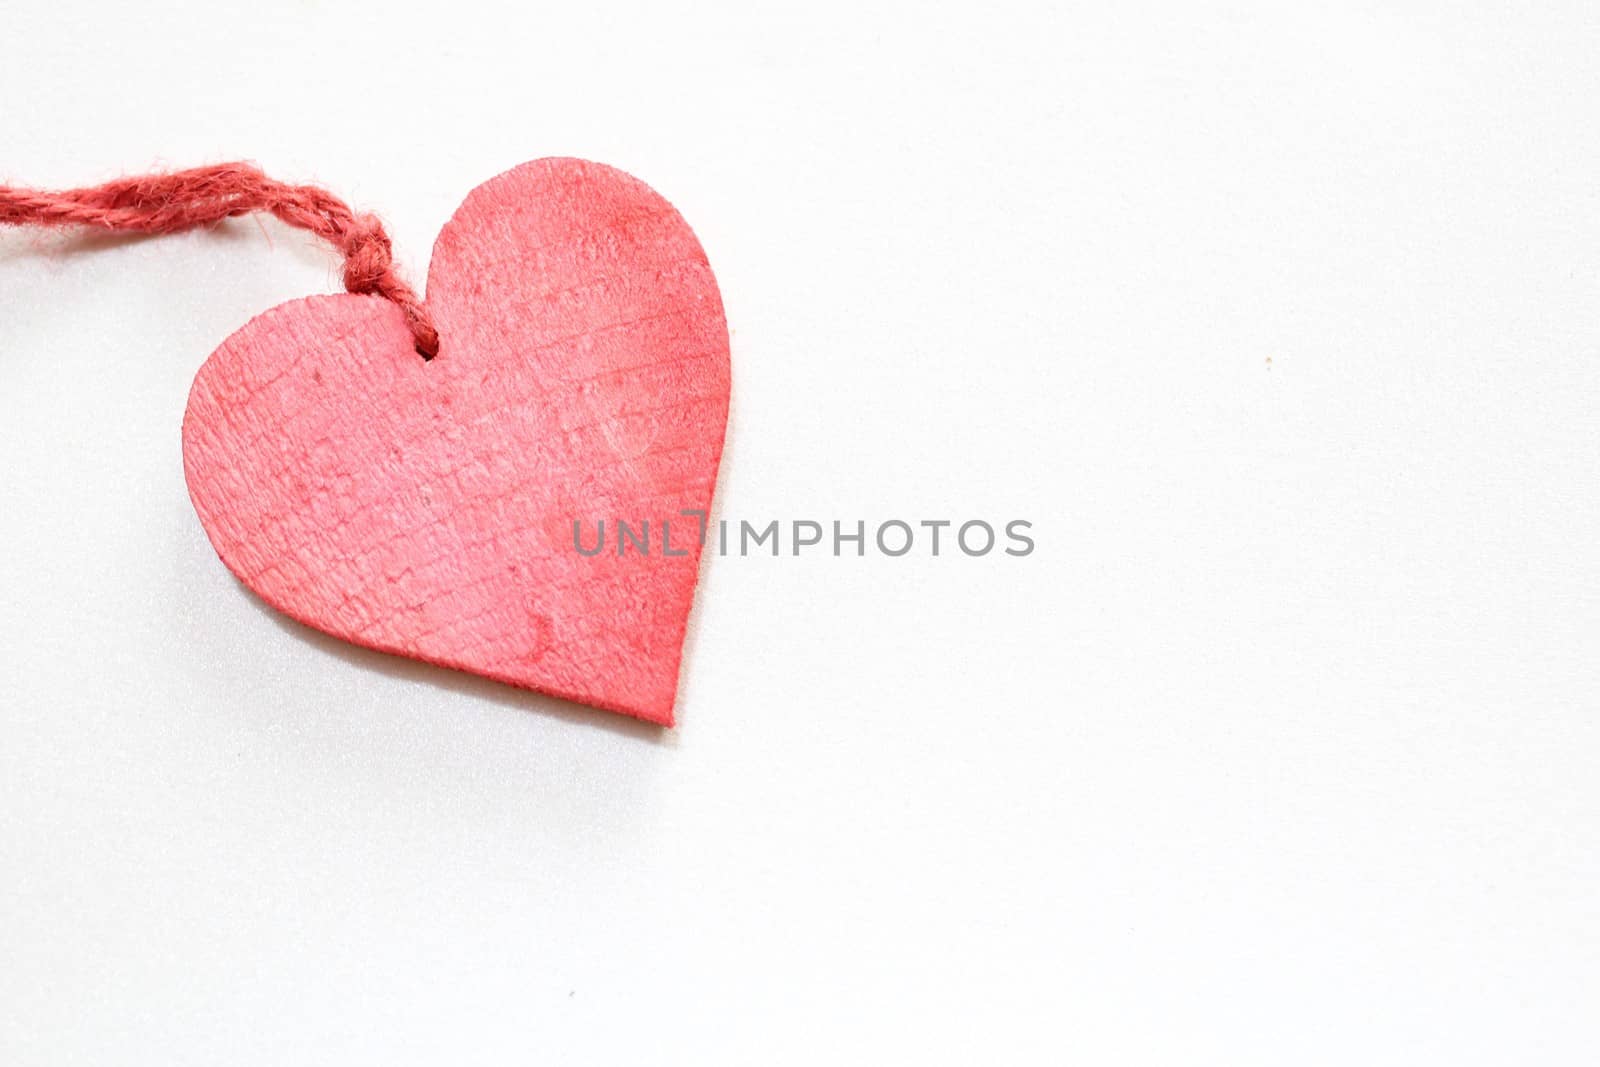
428	509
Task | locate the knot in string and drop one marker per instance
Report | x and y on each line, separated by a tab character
368	255
369	268
168	203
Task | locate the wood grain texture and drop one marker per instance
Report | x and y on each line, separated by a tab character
426	508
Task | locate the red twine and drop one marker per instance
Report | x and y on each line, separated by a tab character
167	203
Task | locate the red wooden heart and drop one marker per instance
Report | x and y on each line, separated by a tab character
427	508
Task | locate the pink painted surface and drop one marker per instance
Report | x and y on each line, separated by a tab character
426	508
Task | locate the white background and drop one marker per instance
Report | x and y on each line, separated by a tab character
1280	322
